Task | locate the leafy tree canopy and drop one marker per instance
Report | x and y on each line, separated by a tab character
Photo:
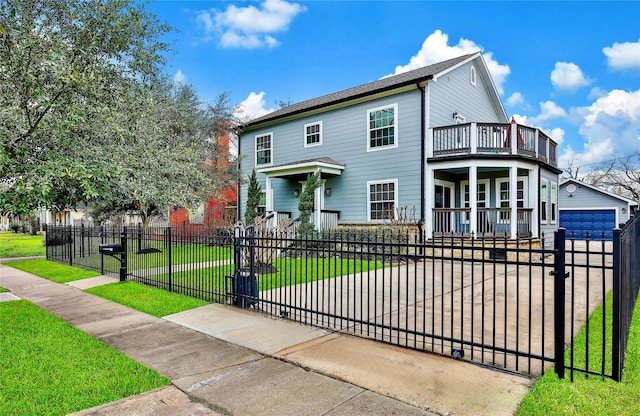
68	69
85	117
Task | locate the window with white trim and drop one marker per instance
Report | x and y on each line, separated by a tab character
472	75
543	201
503	195
382	198
261	208
264	147
554	202
382	127
313	134
482	196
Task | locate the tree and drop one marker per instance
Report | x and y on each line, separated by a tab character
306	204
254	193
174	154
623	176
68	70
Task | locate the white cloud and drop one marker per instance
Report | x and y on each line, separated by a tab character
623	56
249	27
610	128
548	111
597	92
515	99
557	135
435	48
568	77
179	78
253	107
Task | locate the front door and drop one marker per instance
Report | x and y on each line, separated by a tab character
443	219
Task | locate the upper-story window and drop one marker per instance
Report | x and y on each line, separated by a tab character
472	75
264	149
313	134
382	127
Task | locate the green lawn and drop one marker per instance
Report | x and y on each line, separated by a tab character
146	299
289	272
180	254
592	395
20	245
48	367
57	272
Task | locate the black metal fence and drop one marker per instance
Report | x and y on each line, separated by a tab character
503	303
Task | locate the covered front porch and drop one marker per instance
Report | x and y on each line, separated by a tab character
281	201
503	205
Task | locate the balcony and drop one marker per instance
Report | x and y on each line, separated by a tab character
490	222
492	139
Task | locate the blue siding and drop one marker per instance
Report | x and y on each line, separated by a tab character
454	92
345	140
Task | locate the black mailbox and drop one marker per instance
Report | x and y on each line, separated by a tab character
111	248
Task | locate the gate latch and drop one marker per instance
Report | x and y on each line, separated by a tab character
555	273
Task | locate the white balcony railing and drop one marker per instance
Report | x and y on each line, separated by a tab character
492	138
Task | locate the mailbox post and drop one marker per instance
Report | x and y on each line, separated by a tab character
115	249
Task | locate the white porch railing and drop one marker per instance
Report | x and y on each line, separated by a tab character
490	222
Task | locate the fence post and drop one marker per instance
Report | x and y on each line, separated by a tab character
71	243
102	242
616	353
123	256
559	300
168	242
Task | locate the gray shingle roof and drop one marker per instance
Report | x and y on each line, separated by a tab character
389	83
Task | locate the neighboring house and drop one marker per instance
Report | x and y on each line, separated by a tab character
216	212
588	209
420	139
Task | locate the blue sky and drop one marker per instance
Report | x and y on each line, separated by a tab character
571	68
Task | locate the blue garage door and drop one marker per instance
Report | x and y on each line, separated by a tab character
594	222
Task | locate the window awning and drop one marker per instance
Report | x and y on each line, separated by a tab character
301	168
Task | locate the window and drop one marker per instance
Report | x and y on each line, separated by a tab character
313	134
262	205
382	199
554	201
504	194
264	149
543	201
382	128
472	75
482	194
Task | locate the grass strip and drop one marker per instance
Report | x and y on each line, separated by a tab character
48	367
590	395
56	272
153	301
20	245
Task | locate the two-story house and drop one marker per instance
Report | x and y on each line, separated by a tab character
421	139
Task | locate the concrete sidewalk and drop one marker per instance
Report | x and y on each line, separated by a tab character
224	360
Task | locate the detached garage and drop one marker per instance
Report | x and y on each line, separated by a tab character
588	211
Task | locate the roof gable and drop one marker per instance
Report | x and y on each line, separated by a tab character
600	190
395	82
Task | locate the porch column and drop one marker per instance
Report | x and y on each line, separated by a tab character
513	199
473	200
268	195
428	203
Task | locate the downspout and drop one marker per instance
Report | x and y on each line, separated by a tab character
422	150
